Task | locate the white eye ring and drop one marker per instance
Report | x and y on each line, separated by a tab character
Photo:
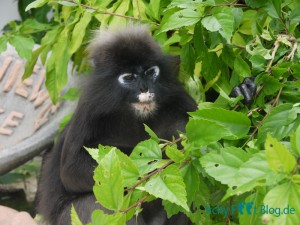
126	78
152	71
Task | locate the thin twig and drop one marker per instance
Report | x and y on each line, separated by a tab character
229	212
139	202
149	175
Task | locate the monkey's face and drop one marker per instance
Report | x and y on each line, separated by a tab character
140	86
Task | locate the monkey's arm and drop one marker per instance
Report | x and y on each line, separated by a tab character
76	165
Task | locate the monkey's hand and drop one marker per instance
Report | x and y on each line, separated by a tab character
247	88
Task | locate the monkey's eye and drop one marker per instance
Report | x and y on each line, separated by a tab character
126	78
152	71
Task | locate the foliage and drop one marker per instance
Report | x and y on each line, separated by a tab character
231	156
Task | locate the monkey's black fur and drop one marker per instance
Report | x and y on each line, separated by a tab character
105	116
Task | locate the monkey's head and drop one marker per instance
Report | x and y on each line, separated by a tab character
131	65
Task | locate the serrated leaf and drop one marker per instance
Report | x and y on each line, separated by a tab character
108	187
146	155
23	45
79	32
278	156
129	170
279	123
237	124
191	179
184	4
74	217
182	18
202	132
168	185
99	217
285	197
241	67
94	153
174	154
295	141
239	170
36	4
222	21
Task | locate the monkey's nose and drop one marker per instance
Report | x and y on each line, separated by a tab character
144	88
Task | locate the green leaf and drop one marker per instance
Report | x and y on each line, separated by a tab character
129	170
188	59
108	187
151	133
79	32
99	217
36	4
174	154
278	156
236	123
295	141
182	18
153	9
94	153
295	16
192	181
57	65
225	165
279	123
168	185
23	45
202	132
239	170
285	198
258	63
31	63
67	3
273	8
146	155
74	217
271	85
184	4
72	94
3	43
241	67
222	21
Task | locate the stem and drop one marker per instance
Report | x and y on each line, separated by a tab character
229	212
149	175
260	123
276	46
139	202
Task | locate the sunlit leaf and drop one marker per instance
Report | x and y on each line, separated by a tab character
168	185
278	157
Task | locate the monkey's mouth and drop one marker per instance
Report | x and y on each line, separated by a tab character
144	109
